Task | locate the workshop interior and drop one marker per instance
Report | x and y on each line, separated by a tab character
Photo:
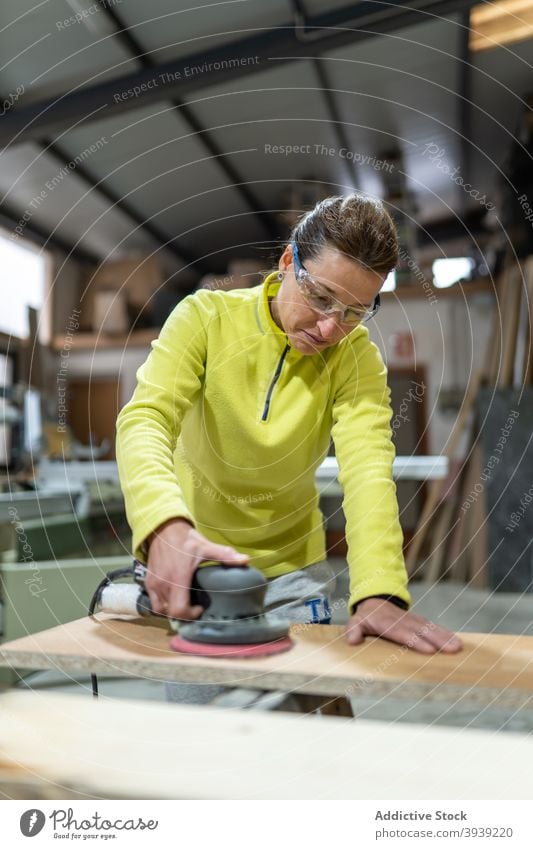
156	153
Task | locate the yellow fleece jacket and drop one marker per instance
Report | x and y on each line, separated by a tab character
228	424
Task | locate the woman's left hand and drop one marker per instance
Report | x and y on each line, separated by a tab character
379	618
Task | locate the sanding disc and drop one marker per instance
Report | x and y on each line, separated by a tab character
212	650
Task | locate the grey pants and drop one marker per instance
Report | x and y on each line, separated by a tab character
301	596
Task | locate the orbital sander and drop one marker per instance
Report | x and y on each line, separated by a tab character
233	622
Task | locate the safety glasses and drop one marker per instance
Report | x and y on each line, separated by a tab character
318	298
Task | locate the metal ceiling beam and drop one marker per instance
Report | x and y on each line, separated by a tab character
184	77
54	149
124	35
39	236
453	227
10	220
465	102
337	125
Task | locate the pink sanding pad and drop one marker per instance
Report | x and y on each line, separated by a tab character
213	650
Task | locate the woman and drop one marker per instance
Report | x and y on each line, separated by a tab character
234	411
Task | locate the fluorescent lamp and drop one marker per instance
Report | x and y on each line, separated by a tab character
448	271
501	22
390	283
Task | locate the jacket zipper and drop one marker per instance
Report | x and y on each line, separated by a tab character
273	383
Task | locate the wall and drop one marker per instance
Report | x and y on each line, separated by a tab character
109	362
66	278
451	338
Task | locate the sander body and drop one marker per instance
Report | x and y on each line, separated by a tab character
233	622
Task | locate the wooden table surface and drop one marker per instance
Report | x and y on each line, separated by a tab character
492	668
57	746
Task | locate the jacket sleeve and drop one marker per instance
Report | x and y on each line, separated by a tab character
149	425
365	452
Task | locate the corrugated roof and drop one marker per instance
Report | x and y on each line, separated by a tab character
209	176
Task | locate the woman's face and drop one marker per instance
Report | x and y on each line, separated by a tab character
348	282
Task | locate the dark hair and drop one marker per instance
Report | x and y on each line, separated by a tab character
358	226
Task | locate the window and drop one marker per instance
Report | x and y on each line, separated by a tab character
446	272
23	279
390	283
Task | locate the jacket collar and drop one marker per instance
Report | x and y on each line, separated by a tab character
270	287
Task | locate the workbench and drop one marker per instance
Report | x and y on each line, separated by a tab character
57	478
492	669
404	468
62	747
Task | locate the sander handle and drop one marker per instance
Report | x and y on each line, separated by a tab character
133	598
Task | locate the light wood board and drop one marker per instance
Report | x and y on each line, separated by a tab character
132	749
492	669
438	487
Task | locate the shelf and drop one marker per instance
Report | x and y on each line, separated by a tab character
92	341
458	290
142	338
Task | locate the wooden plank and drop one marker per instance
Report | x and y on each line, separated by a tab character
420	292
34	352
439	543
30	364
91	341
129	749
19	783
494	352
468	547
528	351
510	316
437	488
491	667
462	529
93	407
478	548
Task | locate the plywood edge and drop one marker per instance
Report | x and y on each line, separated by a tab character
323	685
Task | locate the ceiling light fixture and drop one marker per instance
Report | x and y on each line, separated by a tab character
502	22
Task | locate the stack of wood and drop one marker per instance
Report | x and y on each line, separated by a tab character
450	540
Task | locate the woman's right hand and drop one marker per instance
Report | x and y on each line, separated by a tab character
175	551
